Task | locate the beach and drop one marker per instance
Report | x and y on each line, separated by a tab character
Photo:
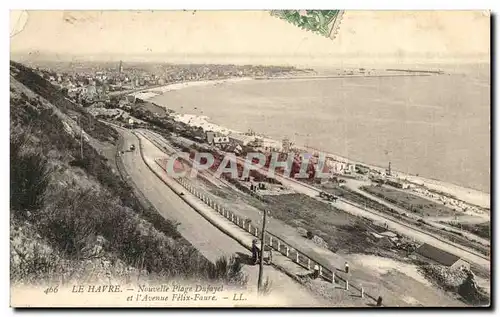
154	92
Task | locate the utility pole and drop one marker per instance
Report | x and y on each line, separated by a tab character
261	260
81	138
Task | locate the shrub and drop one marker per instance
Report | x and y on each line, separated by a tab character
29	174
228	271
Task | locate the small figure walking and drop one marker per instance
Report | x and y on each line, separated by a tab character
346	266
270	257
316	271
379	301
255	251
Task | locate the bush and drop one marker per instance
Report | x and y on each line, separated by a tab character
227	271
29	174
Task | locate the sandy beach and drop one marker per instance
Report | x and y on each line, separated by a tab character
153	92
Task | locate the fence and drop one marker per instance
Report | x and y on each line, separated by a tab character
273	241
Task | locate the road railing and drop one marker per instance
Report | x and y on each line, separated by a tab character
308	262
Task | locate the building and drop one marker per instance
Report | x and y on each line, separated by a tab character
221	140
349	168
397	184
286	145
90	93
241	139
361	169
258	142
210	137
438	256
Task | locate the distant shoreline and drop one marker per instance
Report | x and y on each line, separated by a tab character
149	93
344	76
470	195
152	92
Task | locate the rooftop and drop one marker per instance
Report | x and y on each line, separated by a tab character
242	137
437	255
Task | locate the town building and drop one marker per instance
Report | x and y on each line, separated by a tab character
210	137
286	145
221	140
241	139
438	256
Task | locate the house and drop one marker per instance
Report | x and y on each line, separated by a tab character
221	140
210	137
442	257
398	184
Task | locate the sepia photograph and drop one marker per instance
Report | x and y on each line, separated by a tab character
250	158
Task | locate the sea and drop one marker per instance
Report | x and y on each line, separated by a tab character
435	126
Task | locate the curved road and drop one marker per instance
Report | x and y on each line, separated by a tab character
210	241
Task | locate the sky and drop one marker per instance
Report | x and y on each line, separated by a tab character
240	37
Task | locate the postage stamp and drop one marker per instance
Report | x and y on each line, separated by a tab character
323	22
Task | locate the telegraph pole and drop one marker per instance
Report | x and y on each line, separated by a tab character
81	137
261	260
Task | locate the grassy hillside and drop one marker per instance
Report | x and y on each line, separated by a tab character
75	219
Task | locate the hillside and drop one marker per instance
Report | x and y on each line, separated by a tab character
74	218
